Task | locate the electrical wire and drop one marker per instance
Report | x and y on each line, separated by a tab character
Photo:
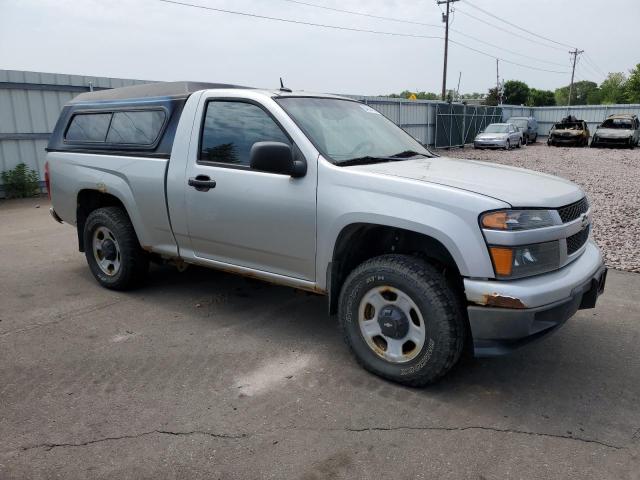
508	31
594	64
517	26
299	22
423	24
363	14
351	29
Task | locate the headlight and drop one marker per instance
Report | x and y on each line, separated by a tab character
516	219
525	260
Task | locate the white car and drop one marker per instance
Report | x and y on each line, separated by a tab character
499	135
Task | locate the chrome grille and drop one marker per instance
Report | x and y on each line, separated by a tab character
572	211
574	242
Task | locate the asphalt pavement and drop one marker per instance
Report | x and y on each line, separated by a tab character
202	374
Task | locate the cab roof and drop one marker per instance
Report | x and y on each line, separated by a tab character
149	90
176	90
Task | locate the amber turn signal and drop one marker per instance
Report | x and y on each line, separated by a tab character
502	260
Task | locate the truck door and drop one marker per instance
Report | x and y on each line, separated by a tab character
252	219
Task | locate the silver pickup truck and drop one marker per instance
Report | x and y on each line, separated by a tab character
422	257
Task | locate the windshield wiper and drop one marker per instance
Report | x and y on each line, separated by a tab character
364	160
370	159
407	154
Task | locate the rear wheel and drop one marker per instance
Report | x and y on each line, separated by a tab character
401	319
519	143
112	250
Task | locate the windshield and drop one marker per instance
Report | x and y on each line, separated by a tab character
344	130
568	126
497	128
621	123
520	123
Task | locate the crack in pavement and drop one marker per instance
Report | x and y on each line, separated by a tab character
491	429
51	446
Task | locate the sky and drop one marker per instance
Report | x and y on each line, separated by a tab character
154	40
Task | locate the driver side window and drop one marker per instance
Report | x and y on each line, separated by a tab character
232	127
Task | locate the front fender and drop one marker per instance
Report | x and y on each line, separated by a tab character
446	214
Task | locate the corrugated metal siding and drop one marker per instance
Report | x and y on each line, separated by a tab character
30	103
416	117
594	115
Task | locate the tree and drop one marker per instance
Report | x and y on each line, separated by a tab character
613	88
516	92
492	97
633	85
541	98
581	91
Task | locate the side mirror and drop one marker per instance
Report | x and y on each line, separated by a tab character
276	157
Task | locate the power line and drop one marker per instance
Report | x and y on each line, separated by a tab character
517	26
594	64
423	24
505	60
299	22
508	31
351	29
363	14
499	47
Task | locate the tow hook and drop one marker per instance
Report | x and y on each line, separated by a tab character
54	215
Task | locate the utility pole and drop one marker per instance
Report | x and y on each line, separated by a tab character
498	93
445	19
575	54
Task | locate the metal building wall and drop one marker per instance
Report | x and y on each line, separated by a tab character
31	101
592	114
29	106
417	117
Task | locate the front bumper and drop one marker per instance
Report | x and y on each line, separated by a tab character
480	143
612	141
565	140
542	303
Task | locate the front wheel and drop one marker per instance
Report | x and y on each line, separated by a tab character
507	145
401	319
112	250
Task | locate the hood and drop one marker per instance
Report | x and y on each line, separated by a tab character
491	135
614	133
567	132
516	186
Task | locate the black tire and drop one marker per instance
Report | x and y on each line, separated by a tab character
133	261
519	143
508	145
535	138
444	323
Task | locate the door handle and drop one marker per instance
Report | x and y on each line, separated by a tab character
202	183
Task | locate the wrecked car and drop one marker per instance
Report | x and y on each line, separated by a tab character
569	132
621	130
420	256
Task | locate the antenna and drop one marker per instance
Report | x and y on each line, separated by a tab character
282	87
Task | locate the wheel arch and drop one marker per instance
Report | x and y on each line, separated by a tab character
358	242
89	200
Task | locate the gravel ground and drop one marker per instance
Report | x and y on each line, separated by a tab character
611	179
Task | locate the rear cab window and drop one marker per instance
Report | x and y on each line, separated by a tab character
140	128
